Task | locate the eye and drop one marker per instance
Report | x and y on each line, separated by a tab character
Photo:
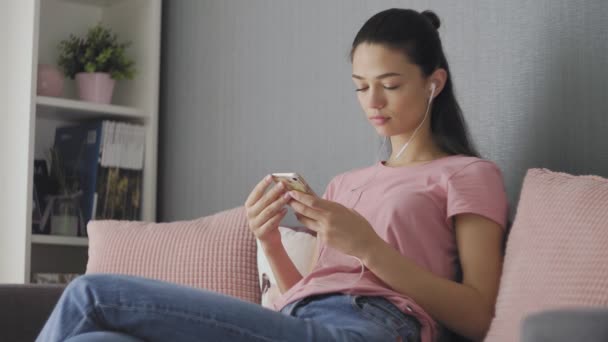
386	87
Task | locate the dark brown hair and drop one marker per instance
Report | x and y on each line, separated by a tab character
415	34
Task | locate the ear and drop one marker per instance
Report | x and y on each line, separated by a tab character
438	77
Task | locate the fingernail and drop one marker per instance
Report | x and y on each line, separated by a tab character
287	195
281	185
268	177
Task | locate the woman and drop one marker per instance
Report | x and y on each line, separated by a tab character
405	247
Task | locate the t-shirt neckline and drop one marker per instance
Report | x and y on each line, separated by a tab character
409	167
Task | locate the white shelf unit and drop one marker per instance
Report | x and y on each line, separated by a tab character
37	27
59	240
68	109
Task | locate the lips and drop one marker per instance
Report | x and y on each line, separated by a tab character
379	120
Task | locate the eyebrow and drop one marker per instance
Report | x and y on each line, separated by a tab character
388	74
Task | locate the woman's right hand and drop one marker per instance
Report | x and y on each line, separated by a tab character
265	210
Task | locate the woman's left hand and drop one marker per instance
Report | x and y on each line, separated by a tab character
339	227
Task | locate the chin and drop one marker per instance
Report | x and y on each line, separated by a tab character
384	133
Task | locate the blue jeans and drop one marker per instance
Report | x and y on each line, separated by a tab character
124	308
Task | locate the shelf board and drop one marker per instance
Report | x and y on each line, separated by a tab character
55	107
59	240
98	3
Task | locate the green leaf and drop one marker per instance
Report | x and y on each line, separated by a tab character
99	51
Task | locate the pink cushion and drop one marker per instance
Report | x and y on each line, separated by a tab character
216	252
557	251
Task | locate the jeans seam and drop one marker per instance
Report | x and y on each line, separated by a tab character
401	320
390	330
189	316
86	316
405	321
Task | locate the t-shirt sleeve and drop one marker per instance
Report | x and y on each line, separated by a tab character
478	188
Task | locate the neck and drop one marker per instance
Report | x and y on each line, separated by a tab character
421	148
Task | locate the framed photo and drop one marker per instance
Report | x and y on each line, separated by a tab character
41	189
36	214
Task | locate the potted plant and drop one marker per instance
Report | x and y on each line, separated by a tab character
96	62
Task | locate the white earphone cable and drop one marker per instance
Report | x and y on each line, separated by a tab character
374	175
428	106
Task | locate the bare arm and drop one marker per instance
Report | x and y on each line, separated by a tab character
283	268
466	308
315	255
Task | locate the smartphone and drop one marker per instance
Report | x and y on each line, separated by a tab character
293	181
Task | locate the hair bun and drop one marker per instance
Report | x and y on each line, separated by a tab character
433	18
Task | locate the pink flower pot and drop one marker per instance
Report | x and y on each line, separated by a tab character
50	81
95	87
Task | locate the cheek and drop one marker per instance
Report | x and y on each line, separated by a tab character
404	103
411	97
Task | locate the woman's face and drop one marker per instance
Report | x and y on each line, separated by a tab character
391	90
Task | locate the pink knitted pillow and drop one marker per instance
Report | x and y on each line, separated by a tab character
216	252
557	251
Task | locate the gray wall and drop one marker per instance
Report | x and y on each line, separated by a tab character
253	87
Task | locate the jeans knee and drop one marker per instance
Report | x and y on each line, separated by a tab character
83	282
85	287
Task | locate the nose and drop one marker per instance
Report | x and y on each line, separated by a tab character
376	99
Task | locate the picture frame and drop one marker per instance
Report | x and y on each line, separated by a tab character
41	190
36	214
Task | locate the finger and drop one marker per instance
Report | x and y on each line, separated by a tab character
273	223
305	210
309	200
275	193
270	210
258	191
308	222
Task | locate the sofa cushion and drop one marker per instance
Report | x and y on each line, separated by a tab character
566	325
216	252
556	253
25	309
299	244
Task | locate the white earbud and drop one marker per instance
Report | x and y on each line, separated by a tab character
433	86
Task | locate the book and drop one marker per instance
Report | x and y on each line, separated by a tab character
106	158
120	172
78	147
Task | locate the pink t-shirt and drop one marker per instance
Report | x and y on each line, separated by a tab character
411	208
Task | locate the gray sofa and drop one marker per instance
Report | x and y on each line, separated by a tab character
25	308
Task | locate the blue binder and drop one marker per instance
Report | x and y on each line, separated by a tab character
79	148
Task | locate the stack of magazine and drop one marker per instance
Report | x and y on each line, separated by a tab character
107	158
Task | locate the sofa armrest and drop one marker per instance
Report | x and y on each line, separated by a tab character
584	324
25	308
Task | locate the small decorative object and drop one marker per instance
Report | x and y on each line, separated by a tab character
42	188
36	213
63	209
96	62
65	214
53	278
50	81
